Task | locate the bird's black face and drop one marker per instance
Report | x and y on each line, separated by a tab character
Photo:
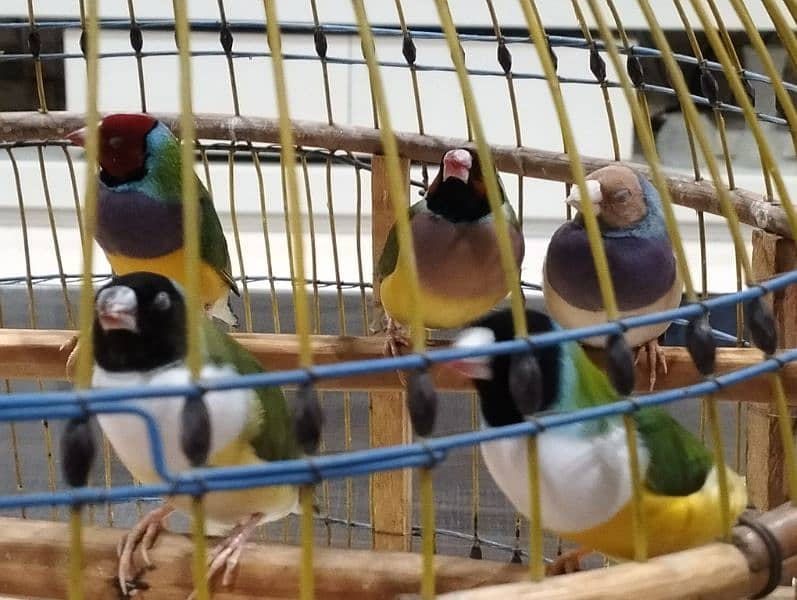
490	376
139	323
458	193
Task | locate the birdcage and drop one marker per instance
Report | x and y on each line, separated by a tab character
314	126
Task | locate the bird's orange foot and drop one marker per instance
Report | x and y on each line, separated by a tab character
567	562
655	356
70	346
224	557
143	536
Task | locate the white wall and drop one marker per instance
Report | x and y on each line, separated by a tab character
554	13
441	104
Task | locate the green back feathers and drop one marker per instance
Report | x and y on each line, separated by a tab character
589	385
212	243
271	433
164	166
679	462
583	385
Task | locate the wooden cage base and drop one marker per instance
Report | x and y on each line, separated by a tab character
36	353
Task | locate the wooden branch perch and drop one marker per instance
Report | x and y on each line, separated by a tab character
712	572
36	353
750	207
37	561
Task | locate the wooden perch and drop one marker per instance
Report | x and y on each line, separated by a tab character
711	572
36	353
751	208
36	565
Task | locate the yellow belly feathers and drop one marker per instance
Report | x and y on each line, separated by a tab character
230	506
672	523
437	312
172	265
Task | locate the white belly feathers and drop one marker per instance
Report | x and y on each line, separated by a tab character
583	480
129	436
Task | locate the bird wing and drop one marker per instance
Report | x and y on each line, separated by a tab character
389	257
213	244
510	215
270	431
679	462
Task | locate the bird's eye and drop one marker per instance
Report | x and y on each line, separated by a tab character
162	301
622	195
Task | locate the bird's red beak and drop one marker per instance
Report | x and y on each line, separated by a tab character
457	163
78	137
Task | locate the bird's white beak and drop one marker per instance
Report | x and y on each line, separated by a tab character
595	196
117	308
78	137
457	163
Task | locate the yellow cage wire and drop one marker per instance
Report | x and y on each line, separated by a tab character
598	22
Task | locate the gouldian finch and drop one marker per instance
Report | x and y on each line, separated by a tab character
140	340
585	478
454	238
139	209
642	266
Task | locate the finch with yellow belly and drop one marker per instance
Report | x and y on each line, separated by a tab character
140	341
456	250
139	209
584	472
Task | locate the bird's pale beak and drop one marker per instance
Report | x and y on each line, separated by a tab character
472	368
476	367
595	196
78	137
117	308
457	163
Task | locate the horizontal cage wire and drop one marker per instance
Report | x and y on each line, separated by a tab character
305	194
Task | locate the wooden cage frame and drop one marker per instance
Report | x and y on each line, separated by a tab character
38	354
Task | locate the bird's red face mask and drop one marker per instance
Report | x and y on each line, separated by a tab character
123	146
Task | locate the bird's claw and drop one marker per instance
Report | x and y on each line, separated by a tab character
70	346
225	556
143	536
395	343
655	357
395	337
395	340
379	323
567	562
